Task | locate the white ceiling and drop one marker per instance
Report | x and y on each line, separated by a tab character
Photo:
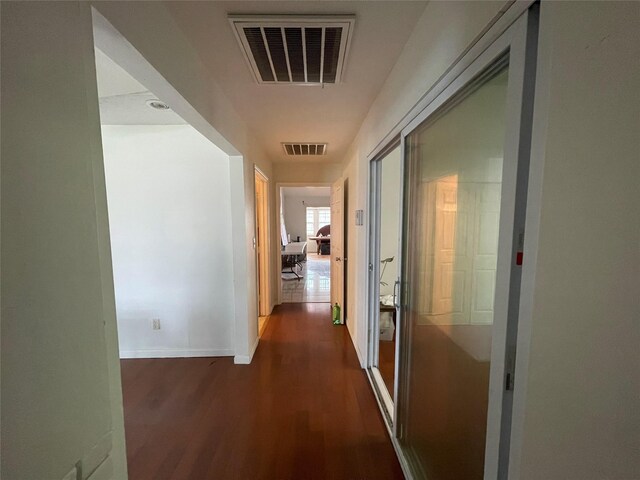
306	191
123	100
286	113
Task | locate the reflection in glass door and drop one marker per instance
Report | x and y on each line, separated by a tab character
385	259
453	196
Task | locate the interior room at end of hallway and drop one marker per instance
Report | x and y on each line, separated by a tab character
305	231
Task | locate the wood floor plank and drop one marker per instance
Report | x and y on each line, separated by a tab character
303	409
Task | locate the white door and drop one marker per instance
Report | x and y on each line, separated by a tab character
337	245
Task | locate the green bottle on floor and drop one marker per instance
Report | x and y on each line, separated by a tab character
336	314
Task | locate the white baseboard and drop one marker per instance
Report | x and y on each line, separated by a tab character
246	359
176	353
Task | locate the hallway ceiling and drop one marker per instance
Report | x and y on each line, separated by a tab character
293	113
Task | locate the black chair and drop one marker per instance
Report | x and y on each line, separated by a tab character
323	232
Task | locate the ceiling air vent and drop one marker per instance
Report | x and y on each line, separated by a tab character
294	50
305	148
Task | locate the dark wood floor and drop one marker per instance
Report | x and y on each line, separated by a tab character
387	363
302	410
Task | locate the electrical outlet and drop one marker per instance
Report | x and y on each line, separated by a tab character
156	324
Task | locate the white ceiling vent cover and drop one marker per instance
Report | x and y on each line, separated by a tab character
299	50
305	148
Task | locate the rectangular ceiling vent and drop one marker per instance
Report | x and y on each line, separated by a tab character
294	50
305	148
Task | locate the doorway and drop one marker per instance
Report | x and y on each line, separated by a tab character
306	242
262	247
337	249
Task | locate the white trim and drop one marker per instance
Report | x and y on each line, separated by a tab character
539	131
384	393
177	353
400	326
373	266
246	359
242	255
373	287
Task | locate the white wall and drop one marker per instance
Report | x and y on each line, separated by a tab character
295	213
169	203
61	393
579	408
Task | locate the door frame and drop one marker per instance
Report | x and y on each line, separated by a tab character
345	247
279	187
337	271
514	34
385	399
263	244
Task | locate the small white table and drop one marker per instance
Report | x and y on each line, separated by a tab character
295	250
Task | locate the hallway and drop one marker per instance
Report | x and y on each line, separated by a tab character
303	409
315	284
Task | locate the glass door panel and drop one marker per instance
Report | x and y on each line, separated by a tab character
453	186
389	233
385	259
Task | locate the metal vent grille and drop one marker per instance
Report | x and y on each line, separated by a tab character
305	148
294	50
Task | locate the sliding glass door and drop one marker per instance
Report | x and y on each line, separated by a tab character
455	160
456	274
